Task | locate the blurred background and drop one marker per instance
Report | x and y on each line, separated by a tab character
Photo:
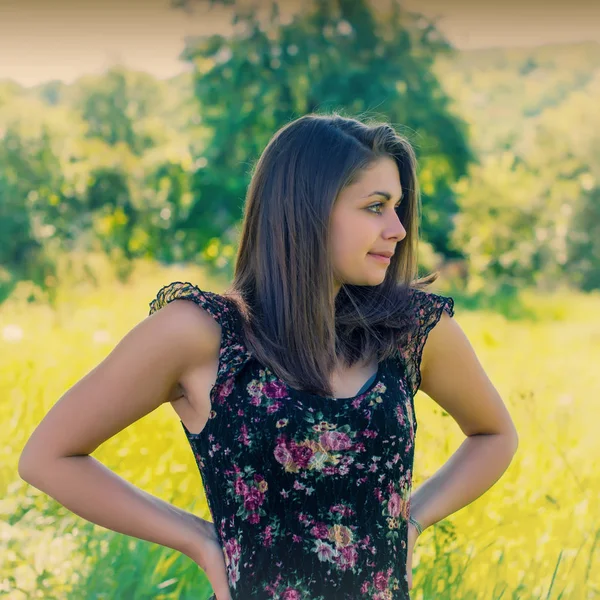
128	130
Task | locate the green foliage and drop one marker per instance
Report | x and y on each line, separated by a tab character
528	214
116	108
101	170
344	56
584	242
139	168
501	91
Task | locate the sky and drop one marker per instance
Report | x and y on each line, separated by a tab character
41	40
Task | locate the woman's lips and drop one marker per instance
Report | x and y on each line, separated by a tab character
380	258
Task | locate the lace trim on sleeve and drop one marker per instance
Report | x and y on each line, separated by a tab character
429	308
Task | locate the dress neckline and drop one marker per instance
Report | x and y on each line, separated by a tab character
376	379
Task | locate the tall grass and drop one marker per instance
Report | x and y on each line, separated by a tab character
535	534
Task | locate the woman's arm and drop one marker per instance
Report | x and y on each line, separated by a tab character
454	378
133	380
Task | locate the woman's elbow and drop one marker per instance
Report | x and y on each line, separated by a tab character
33	465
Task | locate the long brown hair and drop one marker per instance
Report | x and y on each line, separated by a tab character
283	281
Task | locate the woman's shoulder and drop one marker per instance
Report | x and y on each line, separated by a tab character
222	309
198	331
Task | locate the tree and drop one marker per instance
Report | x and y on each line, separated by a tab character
115	107
334	55
583	242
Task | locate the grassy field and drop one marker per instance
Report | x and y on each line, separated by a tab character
534	535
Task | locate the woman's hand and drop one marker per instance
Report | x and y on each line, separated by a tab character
207	553
413	534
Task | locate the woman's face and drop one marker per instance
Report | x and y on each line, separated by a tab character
365	222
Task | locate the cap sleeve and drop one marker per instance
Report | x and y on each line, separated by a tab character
233	353
428	309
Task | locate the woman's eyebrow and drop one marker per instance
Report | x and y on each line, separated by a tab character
386	195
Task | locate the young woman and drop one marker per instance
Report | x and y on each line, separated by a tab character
296	387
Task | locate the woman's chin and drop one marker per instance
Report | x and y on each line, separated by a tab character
368	277
373	278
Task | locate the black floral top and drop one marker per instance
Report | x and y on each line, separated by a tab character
309	495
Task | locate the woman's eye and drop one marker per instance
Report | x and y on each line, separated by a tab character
375	206
379	204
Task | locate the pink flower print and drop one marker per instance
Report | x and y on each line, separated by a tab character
344	510
349	556
380	581
282	455
240	487
268	536
224	390
274	407
369	434
253	499
272	587
232	553
335	440
320	530
228	386
394	505
243	436
301	454
274	389
399	414
290	594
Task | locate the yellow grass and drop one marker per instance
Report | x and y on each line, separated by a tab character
534	535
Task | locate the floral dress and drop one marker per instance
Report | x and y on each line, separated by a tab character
309	495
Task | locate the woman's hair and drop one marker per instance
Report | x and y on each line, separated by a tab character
283	280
